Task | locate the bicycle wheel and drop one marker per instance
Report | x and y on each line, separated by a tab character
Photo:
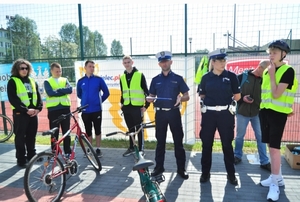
90	153
6	128
42	180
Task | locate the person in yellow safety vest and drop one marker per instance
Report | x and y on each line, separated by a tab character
133	103
202	69
58	102
26	103
279	87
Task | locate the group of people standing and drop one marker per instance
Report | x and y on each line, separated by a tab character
263	96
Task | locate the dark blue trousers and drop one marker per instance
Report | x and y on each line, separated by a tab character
162	120
224	122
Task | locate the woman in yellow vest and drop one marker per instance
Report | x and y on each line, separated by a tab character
26	103
279	87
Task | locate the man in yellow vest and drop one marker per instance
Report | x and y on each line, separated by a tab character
58	102
133	103
26	102
279	87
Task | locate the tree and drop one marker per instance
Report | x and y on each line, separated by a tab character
69	33
205	51
25	38
116	48
100	48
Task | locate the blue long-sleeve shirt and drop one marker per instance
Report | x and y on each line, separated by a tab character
92	91
57	93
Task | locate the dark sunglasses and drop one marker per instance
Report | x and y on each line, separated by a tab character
24	68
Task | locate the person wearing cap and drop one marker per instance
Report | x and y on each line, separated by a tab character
218	89
279	87
172	90
134	91
248	110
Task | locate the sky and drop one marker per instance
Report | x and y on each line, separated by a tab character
155	27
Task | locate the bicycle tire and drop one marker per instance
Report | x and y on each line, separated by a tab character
6	128
157	195
91	155
38	184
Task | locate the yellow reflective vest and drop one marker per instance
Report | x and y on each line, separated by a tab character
54	101
135	94
285	102
202	69
22	92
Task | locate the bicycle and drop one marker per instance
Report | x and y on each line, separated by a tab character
45	174
150	185
6	128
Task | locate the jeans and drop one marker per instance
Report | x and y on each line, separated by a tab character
241	125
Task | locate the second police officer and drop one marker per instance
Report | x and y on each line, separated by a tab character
219	89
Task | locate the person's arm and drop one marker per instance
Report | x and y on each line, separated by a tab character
104	89
13	97
287	77
152	92
49	90
67	89
39	105
78	90
145	89
121	98
235	85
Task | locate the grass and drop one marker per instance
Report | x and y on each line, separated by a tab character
249	146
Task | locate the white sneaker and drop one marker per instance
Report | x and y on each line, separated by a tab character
273	192
268	182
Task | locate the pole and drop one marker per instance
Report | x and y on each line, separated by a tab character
228	39
234	22
171	43
258	40
185	30
214	41
80	32
130	46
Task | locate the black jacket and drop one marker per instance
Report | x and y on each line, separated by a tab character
16	101
252	88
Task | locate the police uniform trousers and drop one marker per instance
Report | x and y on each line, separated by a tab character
25	129
162	120
64	124
133	117
224	122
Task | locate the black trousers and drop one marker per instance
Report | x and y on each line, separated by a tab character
162	120
133	117
224	122
64	125
25	129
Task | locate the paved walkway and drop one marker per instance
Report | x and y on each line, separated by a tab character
117	182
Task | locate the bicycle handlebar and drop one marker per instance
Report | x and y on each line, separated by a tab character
64	116
142	126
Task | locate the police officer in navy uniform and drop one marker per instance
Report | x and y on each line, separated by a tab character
168	90
219	89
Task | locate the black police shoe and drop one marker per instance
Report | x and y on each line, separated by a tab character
266	167
232	180
204	177
183	174
157	171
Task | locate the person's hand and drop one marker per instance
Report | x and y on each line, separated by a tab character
178	101
30	112
291	114
143	109
36	111
150	99
248	99
271	69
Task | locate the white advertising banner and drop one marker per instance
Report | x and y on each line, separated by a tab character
110	71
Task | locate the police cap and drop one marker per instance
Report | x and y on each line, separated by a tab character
218	54
163	55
